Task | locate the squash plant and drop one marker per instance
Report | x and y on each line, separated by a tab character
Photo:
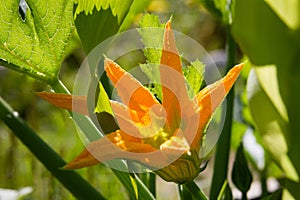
37	36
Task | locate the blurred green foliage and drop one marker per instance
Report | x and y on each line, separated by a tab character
19	166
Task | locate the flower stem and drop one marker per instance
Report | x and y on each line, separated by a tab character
223	146
152	183
195	190
180	191
244	196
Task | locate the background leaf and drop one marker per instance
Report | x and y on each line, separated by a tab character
194	75
268	39
258	38
271	126
34	43
152	37
288	11
118	8
98	20
268	81
152	33
103	104
136	7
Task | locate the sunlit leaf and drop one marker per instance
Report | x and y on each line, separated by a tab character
270	125
265	41
97	20
104	113
273	41
152	37
118	8
103	104
267	78
137	6
33	38
238	130
194	75
92	28
287	10
151	32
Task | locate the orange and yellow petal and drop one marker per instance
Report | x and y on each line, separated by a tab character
211	97
174	91
131	91
118	145
127	119
66	101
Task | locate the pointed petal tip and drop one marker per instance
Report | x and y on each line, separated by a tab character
39	93
84	159
78	164
70	102
235	71
69	166
65	168
107	62
44	95
240	66
168	25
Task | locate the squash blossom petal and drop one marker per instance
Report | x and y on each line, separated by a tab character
166	137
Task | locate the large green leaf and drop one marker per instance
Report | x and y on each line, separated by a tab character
137	6
288	11
271	125
97	20
261	34
267	78
33	37
268	38
118	8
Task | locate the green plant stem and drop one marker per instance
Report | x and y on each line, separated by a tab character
244	196
79	187
152	183
92	134
195	191
263	180
223	146
180	190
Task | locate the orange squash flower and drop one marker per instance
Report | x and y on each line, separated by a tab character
165	137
